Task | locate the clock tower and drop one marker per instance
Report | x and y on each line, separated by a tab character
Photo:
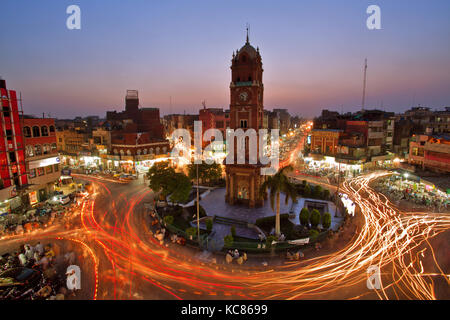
246	112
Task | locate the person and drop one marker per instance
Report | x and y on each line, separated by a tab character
39	248
43	262
23	259
29	252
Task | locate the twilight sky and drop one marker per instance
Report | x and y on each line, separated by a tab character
313	54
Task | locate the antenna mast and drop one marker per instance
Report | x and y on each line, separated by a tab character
364	85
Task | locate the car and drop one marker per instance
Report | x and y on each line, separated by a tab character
60	199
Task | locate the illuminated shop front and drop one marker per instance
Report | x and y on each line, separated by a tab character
327	164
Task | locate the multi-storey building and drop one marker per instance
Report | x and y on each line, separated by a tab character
42	160
13	175
430	152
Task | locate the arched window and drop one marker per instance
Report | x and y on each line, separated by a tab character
139	152
164	149
52	128
27	132
44	131
145	151
38	150
128	152
151	151
121	152
36	131
54	147
115	151
157	150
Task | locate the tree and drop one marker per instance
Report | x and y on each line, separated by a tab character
164	179
206	172
326	220
277	184
314	219
181	192
304	216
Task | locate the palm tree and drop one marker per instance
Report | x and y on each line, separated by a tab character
278	183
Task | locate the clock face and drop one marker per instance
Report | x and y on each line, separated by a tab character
243	96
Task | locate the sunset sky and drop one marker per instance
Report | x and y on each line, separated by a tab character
313	54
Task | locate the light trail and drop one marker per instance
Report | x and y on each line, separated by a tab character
395	241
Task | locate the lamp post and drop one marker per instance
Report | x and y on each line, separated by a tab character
198	209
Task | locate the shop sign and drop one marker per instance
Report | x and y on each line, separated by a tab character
33	197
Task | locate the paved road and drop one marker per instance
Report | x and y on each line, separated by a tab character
131	264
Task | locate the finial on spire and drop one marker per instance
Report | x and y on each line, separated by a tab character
248	27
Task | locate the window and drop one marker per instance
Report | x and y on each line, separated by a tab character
40	171
36	131
249	78
53	147
48	169
8	134
46	149
29	151
27	132
243	123
12	157
56	167
5	111
52	128
60	140
32	173
38	150
44	131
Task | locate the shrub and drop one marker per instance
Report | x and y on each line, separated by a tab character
209	225
168	219
233	231
326	220
314	218
317	193
313	234
307	191
269	240
304	216
326	194
191	231
228	240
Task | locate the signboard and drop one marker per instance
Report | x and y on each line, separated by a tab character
33	197
299	241
43	162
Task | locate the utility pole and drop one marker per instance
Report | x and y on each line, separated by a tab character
364	85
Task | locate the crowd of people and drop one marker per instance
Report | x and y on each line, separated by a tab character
419	194
38	218
38	272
